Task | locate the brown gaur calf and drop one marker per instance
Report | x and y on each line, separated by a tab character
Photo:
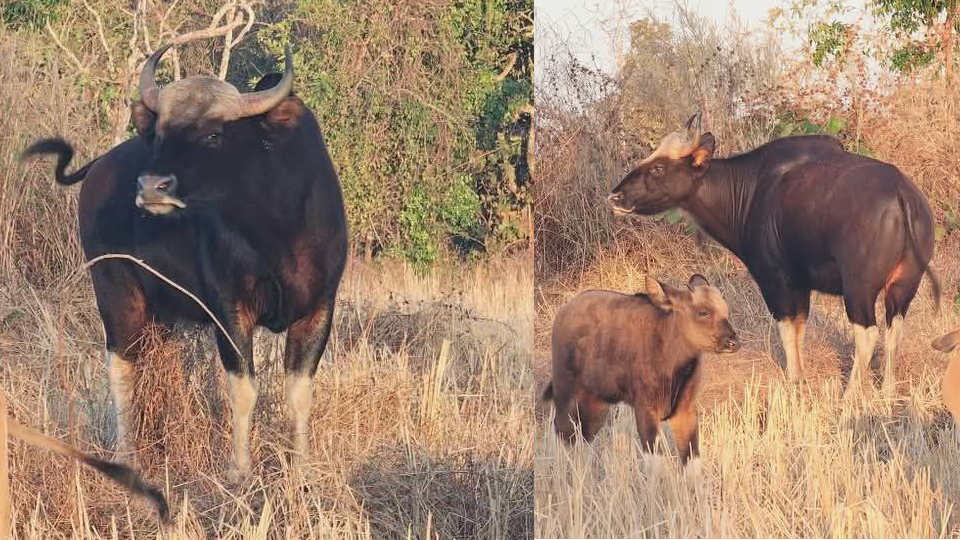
951	378
642	349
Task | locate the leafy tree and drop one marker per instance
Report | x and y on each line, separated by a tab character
908	17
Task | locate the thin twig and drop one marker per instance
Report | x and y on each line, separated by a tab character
100	32
73	58
89	264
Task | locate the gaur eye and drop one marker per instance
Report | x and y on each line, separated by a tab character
657	170
703	313
212	138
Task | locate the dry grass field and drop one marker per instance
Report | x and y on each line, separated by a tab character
777	460
421	426
422	418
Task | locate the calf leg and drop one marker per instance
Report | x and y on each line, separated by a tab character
592	412
562	423
306	340
647	426
683	423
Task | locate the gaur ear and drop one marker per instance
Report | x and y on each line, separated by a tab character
143	118
697	280
704	151
286	115
267	81
658	293
947	342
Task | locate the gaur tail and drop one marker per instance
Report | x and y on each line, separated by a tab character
548	392
64	153
121	474
915	250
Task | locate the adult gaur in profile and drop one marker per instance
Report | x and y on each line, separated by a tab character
234	197
803	215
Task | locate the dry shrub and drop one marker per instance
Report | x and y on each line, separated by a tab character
172	396
463	498
918	130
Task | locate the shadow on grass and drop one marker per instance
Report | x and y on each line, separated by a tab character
408	494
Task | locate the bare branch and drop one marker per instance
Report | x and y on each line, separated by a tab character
73	58
175	53
100	32
205	33
512	61
227	46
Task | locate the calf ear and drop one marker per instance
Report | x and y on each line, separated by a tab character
286	115
947	342
144	120
704	152
658	293
697	280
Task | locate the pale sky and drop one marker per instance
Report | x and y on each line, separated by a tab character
580	23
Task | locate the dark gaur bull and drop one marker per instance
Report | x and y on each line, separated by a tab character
234	197
803	215
644	350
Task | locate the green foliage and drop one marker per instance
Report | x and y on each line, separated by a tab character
790	125
456	210
425	107
420	115
828	41
906	18
910	57
31	14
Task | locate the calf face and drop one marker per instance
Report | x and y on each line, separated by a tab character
702	314
641	349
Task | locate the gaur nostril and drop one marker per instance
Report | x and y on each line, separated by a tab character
167	185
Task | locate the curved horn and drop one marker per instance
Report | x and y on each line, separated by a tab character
260	102
149	91
693	128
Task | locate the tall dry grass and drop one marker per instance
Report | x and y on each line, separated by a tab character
778	460
421	426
